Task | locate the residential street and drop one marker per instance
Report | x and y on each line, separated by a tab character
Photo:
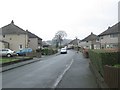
69	70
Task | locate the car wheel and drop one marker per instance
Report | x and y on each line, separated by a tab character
17	54
8	55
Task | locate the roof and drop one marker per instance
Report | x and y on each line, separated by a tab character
31	35
90	37
12	29
111	30
75	41
45	43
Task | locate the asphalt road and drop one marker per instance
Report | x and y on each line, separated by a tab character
49	73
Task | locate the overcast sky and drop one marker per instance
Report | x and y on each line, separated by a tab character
78	18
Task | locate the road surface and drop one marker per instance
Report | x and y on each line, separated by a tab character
52	72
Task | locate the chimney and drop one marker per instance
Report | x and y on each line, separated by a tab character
109	27
91	33
12	22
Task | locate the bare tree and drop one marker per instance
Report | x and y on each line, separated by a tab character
59	36
55	41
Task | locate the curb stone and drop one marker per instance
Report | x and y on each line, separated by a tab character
12	66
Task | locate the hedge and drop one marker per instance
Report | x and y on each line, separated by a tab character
99	58
48	51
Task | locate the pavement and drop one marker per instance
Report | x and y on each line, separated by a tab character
19	64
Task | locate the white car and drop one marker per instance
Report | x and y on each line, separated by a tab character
63	51
7	52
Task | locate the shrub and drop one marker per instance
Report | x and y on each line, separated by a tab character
48	51
99	58
117	66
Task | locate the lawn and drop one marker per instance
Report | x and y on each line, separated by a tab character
5	59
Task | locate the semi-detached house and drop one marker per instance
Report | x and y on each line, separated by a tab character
109	38
16	37
90	42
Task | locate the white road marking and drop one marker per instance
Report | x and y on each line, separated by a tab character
61	76
66	65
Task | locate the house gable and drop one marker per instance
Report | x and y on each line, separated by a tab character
14	35
75	42
91	37
12	29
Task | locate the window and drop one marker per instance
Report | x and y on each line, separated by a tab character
113	35
10	38
4	36
115	46
20	47
97	40
101	37
4	50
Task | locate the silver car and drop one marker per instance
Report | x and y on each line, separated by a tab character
7	52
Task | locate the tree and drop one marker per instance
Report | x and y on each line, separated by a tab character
59	36
55	41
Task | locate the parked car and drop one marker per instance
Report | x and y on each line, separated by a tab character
63	51
7	52
24	51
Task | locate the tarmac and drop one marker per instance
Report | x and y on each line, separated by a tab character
79	74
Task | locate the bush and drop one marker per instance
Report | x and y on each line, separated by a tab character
117	66
99	58
48	51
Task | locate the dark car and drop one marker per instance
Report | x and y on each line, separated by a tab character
23	52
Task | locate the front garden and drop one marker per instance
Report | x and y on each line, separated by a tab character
11	60
15	59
